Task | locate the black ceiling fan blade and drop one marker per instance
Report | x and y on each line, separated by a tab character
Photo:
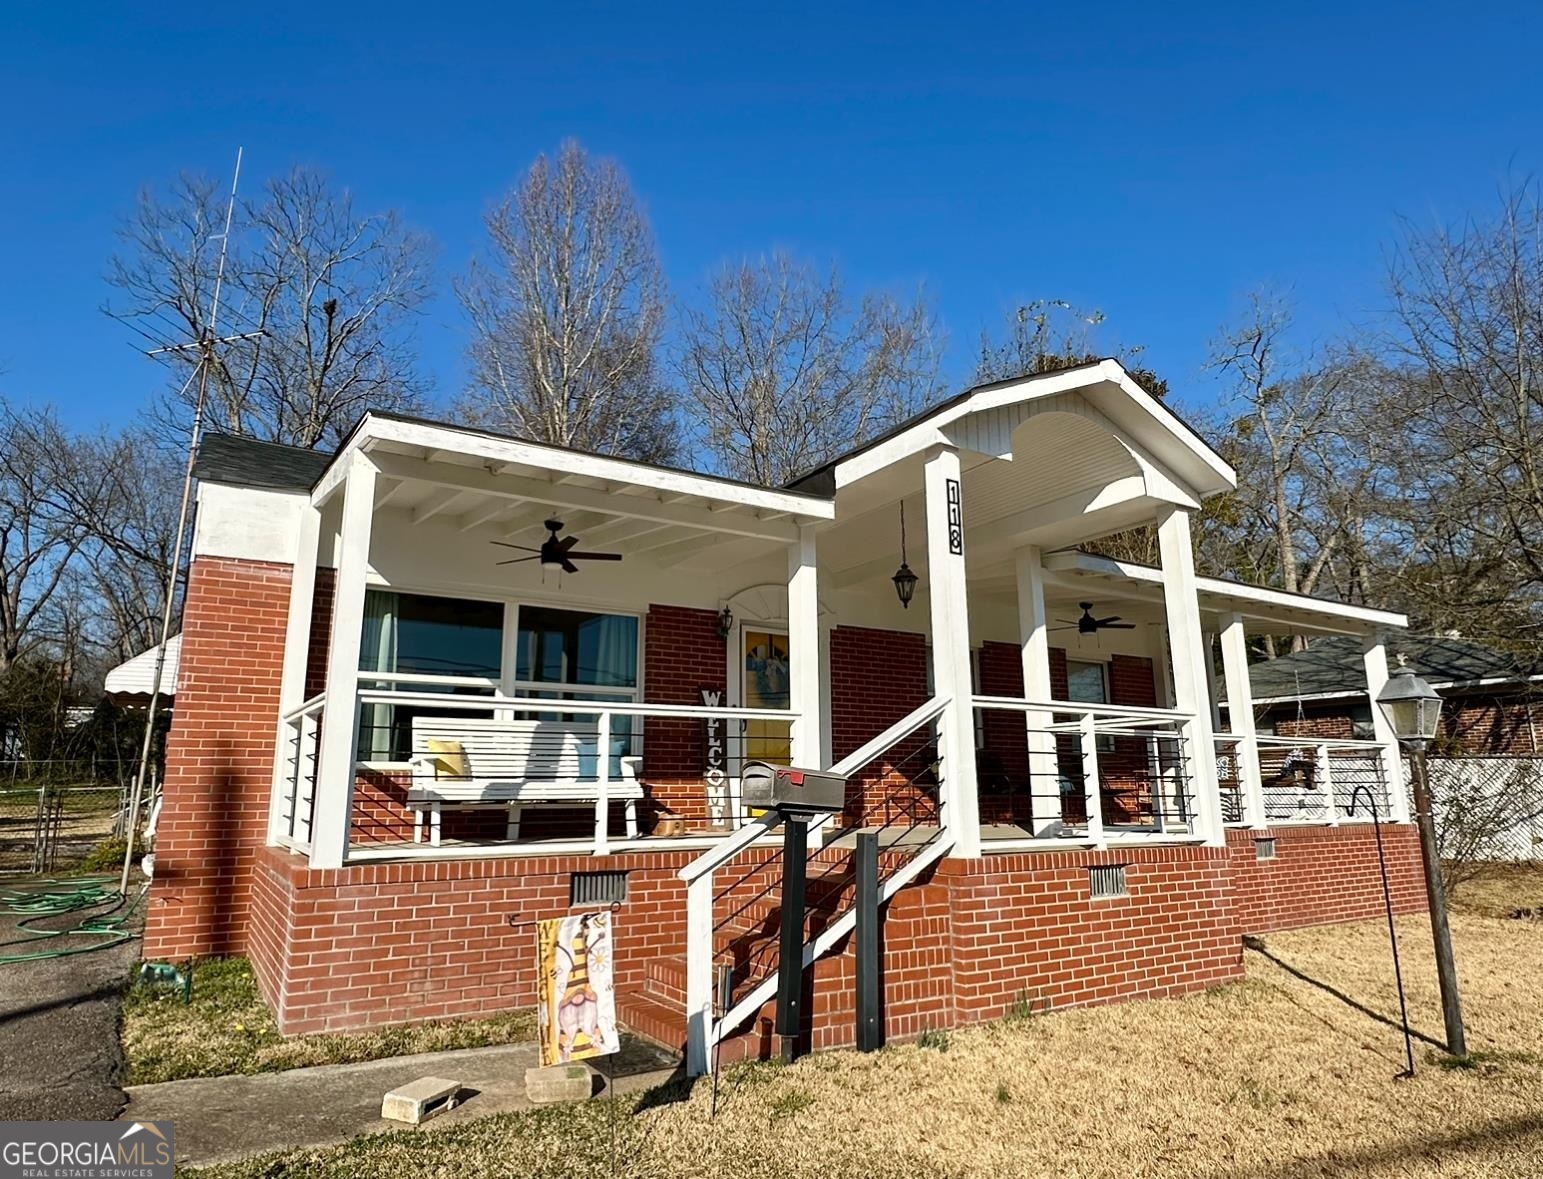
1110	621
1117	626
592	556
517	560
506	544
568	566
567	543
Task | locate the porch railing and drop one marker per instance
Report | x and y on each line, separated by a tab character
670	741
1303	780
1084	771
295	796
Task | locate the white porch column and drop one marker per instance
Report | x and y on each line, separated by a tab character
1181	602
951	647
804	695
1240	719
1374	656
340	717
1034	636
297	648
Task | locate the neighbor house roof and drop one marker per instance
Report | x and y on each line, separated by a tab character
1332	667
249	462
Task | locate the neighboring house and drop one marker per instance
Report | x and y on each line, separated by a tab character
1486	767
373	789
1492	700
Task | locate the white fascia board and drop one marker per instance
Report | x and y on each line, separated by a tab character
1176	441
1364	617
571	464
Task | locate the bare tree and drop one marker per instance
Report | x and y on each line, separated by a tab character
782	371
1048	335
333	293
1467	343
566	313
48	489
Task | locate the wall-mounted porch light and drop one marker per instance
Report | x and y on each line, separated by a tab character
725	623
905	580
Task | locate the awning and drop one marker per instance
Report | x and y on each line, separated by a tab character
133	679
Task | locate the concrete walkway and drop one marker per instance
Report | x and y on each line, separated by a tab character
223	1118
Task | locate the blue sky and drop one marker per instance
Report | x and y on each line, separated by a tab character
1155	161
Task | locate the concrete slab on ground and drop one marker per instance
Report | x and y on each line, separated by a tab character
219	1119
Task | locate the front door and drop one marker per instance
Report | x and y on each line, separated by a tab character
764	684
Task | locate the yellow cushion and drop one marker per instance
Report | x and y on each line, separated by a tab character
449	758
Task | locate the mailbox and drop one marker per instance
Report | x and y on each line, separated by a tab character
791	791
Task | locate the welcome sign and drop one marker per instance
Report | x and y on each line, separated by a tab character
86	1150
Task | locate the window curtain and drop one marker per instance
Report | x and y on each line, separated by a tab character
616	651
377	652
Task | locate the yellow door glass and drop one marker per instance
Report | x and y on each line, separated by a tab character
766	686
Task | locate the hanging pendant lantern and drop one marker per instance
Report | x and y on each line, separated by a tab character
905	580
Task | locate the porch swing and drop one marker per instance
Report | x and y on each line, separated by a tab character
1299	765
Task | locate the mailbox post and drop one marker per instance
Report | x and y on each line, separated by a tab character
798	796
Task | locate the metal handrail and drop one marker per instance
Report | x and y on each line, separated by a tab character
732	845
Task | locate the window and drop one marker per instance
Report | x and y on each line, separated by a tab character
577	649
1088	683
425	643
437	639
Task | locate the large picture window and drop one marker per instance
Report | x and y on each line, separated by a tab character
432	640
426	643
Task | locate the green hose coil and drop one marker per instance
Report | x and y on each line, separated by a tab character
59	898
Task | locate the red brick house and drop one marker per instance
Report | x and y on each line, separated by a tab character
360	794
1492	700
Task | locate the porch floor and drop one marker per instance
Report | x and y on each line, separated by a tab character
995	837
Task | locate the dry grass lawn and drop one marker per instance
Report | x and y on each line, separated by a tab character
1290	1073
228	1029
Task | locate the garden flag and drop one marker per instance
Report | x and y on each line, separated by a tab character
576	1001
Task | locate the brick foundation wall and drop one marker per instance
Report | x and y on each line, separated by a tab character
393	943
404	942
1322	875
876	678
1025	925
219	758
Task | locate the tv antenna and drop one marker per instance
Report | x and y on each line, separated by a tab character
205	347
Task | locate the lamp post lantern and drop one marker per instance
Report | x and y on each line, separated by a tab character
1413	709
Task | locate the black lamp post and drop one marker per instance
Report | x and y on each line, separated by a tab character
905	580
1413	709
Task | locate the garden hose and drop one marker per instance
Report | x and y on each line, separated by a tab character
58	898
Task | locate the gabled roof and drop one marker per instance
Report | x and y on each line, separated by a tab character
1127	403
1332	666
250	462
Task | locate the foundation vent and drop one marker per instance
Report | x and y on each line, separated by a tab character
1107	880
1264	849
597	888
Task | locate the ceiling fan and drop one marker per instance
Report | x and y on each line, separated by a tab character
1088	625
556	552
